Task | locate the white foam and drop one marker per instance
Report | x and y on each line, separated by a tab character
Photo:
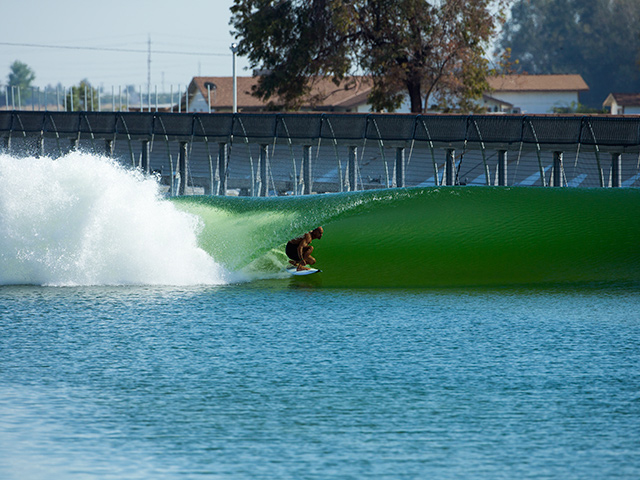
85	220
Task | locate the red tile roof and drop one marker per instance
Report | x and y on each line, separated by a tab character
343	96
538	83
623	99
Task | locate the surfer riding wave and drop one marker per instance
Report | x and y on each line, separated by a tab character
299	249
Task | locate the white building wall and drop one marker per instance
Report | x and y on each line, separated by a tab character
538	102
198	104
528	102
365	108
632	110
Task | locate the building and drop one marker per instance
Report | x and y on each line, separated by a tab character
215	94
623	103
533	93
495	105
509	94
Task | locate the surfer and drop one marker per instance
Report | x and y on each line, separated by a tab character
299	249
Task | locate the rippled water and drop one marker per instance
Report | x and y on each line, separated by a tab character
275	380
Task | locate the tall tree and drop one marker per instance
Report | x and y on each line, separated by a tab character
82	97
427	51
20	75
598	39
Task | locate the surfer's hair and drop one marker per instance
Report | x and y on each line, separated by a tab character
317	230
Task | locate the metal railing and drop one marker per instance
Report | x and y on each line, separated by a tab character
299	153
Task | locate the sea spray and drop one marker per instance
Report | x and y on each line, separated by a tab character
85	220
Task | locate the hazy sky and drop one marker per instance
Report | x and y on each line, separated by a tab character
198	29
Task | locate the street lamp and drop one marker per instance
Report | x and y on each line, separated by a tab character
234	50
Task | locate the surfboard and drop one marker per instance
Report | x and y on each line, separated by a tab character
293	271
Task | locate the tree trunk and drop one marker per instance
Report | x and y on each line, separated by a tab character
415	96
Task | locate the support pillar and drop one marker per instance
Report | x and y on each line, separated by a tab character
264	179
144	161
40	147
353	165
450	165
306	170
73	144
108	147
557	169
502	168
616	170
400	167
183	167
6	144
223	162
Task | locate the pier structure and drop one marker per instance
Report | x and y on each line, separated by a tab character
265	154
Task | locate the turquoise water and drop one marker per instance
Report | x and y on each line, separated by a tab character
273	379
142	338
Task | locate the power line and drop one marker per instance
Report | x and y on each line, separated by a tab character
108	49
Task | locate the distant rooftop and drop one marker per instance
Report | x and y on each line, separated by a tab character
325	94
623	99
538	83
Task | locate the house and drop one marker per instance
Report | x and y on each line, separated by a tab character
495	105
623	103
533	93
510	94
216	93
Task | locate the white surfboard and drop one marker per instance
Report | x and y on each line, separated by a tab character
294	271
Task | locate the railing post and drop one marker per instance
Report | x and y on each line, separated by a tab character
353	164
557	169
616	170
502	168
144	161
306	170
400	167
183	167
108	147
449	167
222	168
264	182
40	147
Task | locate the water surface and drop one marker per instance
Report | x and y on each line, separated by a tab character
276	379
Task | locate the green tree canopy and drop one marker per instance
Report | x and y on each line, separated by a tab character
20	75
426	50
598	39
82	97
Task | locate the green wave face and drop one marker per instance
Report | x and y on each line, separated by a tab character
447	236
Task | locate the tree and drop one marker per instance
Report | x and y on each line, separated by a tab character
428	51
20	75
598	39
82	97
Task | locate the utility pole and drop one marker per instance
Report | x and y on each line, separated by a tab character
149	66
234	50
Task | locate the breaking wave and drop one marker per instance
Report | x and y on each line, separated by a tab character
83	219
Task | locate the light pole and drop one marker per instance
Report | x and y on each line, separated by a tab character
234	50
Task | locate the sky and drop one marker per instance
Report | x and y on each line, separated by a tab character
66	41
